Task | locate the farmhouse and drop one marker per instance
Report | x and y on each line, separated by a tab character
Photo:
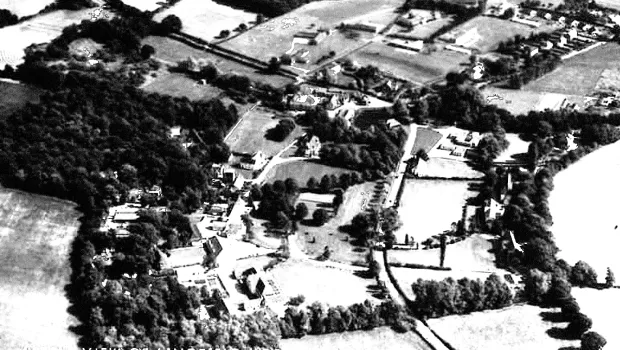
310	38
310	146
254	162
334	68
301	56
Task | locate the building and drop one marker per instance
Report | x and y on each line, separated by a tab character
254	162
458	152
459	49
175	131
310	38
469	139
212	247
125	214
319	199
531	51
572	34
334	68
414	45
574	24
547	46
492	210
366	27
562	20
392	123
155	191
303	102
548	16
310	146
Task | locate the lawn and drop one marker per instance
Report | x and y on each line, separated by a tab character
409	65
516	146
275	37
514	328
15	96
205	18
599	305
580	74
490	36
249	135
37	30
179	85
429	207
23	8
35	237
302	171
329	234
446	168
378	338
426	139
171	52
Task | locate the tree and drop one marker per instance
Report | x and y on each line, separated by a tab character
281	220
509	13
570	309
312	183
260	18
171	24
224	33
537	284
147	51
326	183
320	216
243	27
274	64
286	60
7	18
610	279
592	341
301	211
578	326
583	275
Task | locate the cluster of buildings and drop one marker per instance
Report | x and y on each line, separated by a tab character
460	141
461	41
413	19
311	37
362	26
309	99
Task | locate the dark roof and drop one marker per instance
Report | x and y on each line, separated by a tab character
213	247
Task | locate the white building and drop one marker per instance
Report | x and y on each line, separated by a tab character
254	162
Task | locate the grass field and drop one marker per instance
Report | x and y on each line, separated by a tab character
579	75
490	36
517	146
600	305
15	96
613	4
446	168
178	85
378	338
249	135
23	8
274	37
415	67
40	29
426	139
205	18
172	51
515	328
329	235
35	237
302	171
431	206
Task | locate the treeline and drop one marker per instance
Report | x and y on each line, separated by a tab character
375	148
450	297
318	319
364	226
7	18
61	146
269	8
450	7
534	69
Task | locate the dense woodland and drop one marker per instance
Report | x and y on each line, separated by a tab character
7	18
269	8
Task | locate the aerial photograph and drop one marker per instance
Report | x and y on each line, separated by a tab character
309	174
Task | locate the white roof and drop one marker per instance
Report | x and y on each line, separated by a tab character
317	198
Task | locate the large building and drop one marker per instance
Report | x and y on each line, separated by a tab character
310	146
253	162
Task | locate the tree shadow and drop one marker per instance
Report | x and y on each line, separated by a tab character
554	317
569	348
365	274
558	333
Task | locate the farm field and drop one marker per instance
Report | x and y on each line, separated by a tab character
513	328
516	146
302	171
378	338
275	37
580	74
600	305
490	36
178	85
22	8
14	96
431	206
37	30
447	168
320	283
471	254
597	174
35	237
205	18
171	52
426	139
249	135
412	66
329	235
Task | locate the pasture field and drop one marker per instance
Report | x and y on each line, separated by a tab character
416	67
249	134
516	146
275	37
431	206
302	171
37	30
354	201
170	51
378	338
15	96
600	305
426	139
178	85
514	328
490	36
35	237
205	18
446	168
580	74
22	8
317	282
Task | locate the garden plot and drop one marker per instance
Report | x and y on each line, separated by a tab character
205	18
429	207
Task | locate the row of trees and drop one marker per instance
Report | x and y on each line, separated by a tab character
534	69
7	18
449	297
461	10
281	131
269	8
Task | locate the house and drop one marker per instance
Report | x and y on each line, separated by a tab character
332	102
533	13
155	191
125	213
563	40
392	123
334	68
562	20
414	45
446	147
302	102
212	247
310	146
175	132
458	152
492	210
301	56
324	200
574	24
254	162
572	34
548	16
547	46
531	51
469	139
